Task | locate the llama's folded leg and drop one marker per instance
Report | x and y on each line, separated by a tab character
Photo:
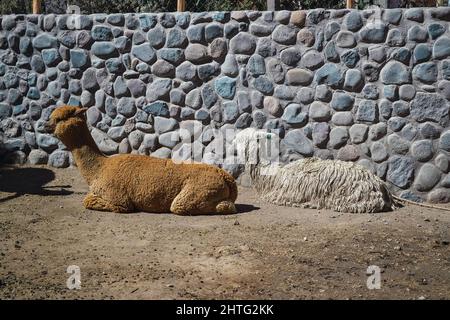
94	202
309	205
191	201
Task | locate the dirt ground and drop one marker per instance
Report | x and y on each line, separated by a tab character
263	252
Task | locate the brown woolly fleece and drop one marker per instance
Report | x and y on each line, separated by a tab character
128	183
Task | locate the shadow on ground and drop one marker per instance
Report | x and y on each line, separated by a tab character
21	181
244	208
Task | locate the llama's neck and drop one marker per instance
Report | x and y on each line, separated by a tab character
87	156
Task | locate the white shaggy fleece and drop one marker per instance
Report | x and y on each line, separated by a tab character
312	182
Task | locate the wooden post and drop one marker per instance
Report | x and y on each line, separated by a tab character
349	4
36	6
181	5
273	5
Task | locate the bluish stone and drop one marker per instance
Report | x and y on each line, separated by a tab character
422	150
342	101
422	53
221	16
123	44
10	80
104	50
114	65
435	30
298	142
426	72
209	97
225	87
396	123
159	90
183	19
446	69
427	177
331	29
174	56
393	16
430	130
231	29
89	80
120	88
5	111
331	53
353	21
147	21
390	92
25	46
256	65
33	93
47	142
441	48
207	71
350	58
167	20
263	84
417	34
285	92
186	71
230	111
212	31
196	33
244	121
329	74
294	116
400	108
430	107
51	57
289	56
54	88
78	58
176	38
403	55
370	91
373	33
353	80
243	43
202	115
395	73
367	111
414	14
400	171
395	38
101	33
157	108
144	52
126	107
157	37
44	41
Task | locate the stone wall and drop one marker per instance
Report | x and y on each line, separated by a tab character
371	87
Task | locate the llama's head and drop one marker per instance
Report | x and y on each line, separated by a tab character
67	123
255	146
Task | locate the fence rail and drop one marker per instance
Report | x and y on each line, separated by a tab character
112	6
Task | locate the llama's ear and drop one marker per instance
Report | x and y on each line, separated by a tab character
81	111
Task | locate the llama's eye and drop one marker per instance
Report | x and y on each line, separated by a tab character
269	136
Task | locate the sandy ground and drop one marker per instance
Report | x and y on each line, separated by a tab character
263	252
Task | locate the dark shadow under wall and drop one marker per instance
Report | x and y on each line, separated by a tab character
21	181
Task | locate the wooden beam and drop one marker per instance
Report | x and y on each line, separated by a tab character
273	5
36	6
349	4
181	5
